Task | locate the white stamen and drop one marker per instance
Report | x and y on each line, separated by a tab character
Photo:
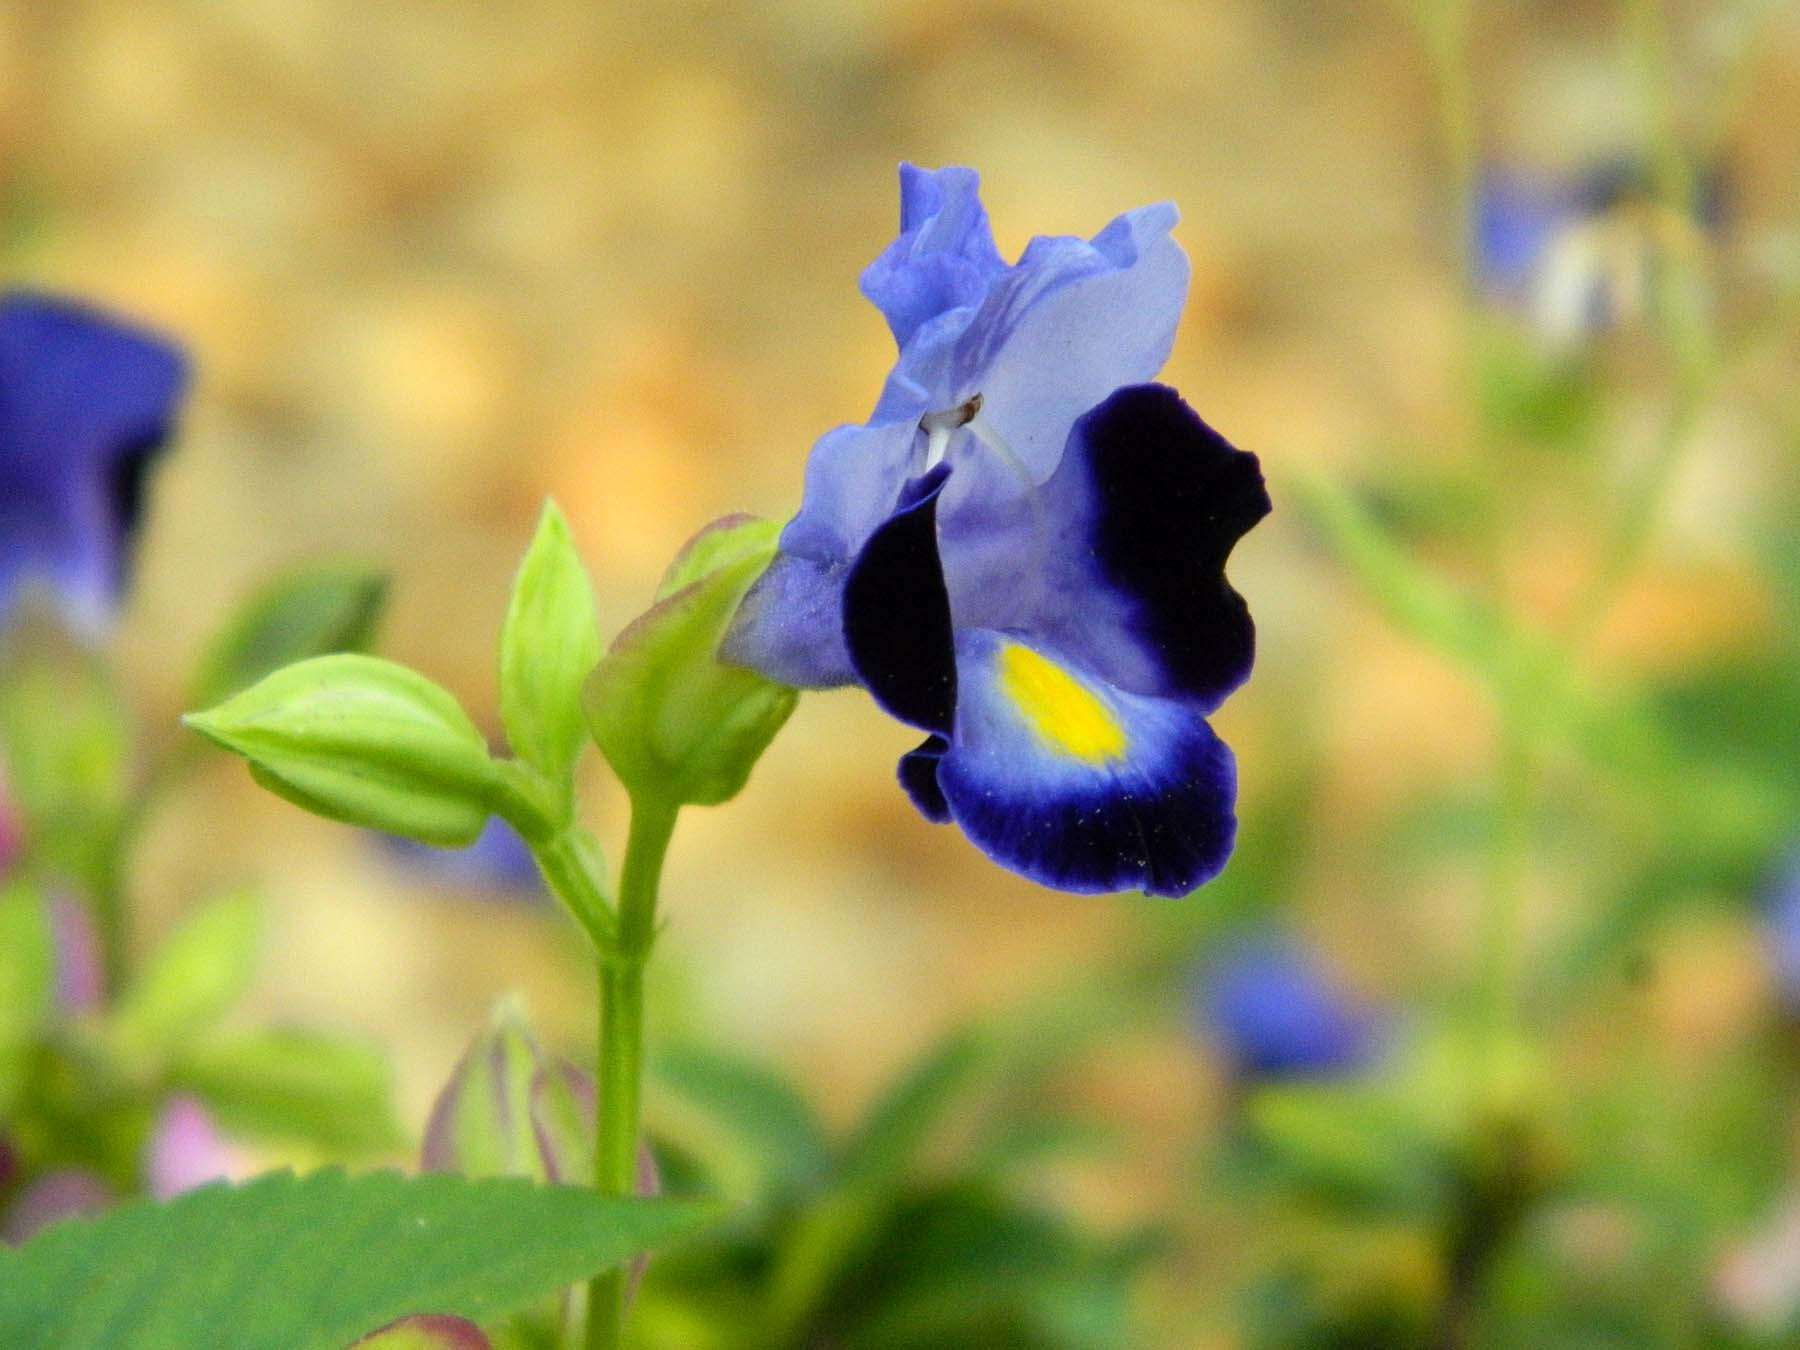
938	427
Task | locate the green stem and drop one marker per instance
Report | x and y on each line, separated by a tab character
111	897
621	1063
1686	330
1503	916
570	865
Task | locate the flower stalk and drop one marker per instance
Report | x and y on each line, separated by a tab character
620	1069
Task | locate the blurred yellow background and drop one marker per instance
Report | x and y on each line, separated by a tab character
438	260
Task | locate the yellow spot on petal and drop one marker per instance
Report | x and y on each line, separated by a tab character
1061	710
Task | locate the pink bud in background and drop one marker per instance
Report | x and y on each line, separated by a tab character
53	1197
186	1150
427	1331
1757	1283
80	979
510	1109
562	1119
12	832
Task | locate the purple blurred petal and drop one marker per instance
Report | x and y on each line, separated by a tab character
53	1197
428	1331
80	978
498	863
86	404
1274	1011
186	1150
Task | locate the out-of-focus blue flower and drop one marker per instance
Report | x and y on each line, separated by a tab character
1022	553
1575	253
498	862
510	1109
1782	926
86	402
1274	1012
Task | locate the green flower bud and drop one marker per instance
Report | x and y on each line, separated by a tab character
547	648
676	723
362	740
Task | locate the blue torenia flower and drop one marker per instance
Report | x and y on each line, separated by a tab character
1022	552
1274	1012
85	405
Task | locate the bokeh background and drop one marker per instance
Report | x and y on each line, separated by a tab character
436	261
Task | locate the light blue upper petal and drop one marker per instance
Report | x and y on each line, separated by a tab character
1041	341
944	259
1073	321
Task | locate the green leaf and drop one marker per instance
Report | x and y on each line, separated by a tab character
832	1231
313	611
899	1124
963	1264
193	979
288	1084
312	1263
548	647
1357	1145
362	740
27	981
1414	598
1543	396
771	1135
676	723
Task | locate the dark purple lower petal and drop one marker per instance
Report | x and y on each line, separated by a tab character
918	775
1155	500
1081	786
897	613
